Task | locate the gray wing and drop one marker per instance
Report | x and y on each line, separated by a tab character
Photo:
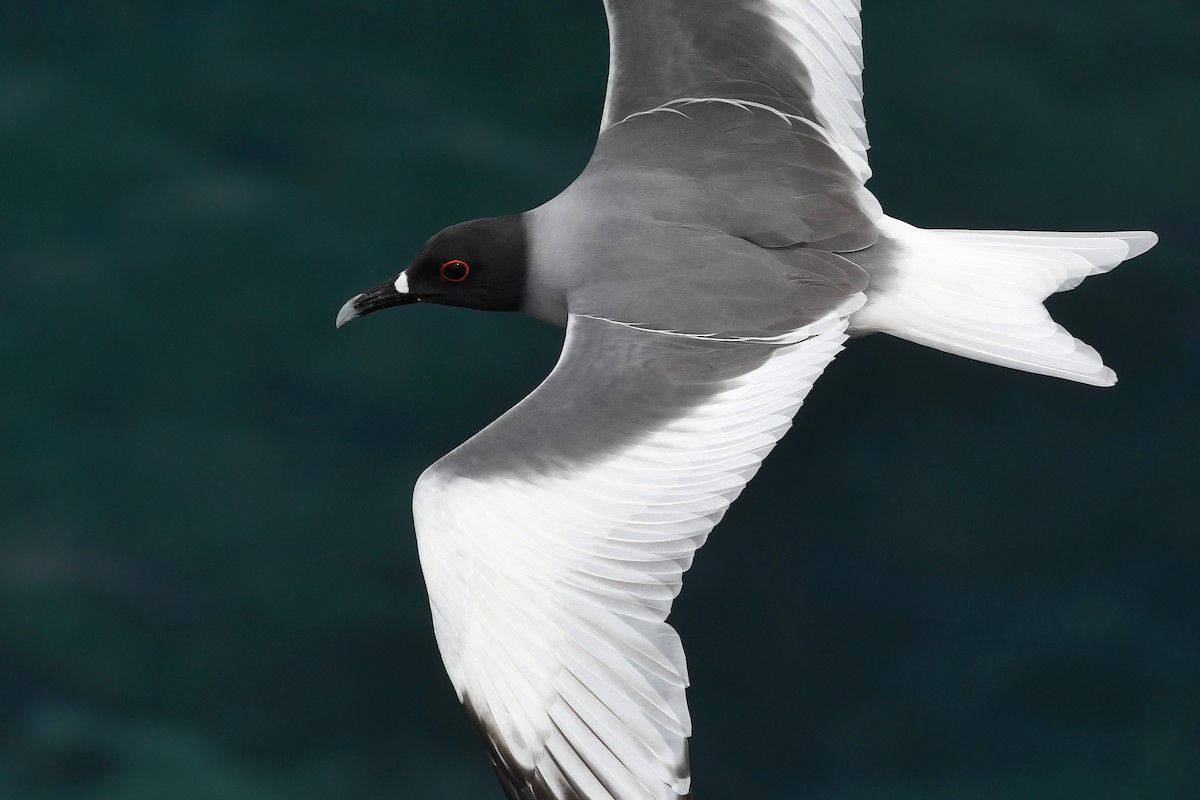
801	57
554	542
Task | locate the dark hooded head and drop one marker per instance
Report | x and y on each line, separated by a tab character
477	264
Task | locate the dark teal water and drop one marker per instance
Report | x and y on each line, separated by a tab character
951	581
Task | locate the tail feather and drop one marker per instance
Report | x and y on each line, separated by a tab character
979	293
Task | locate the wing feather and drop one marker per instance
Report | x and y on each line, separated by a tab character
551	579
802	57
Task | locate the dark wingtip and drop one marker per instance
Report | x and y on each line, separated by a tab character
517	782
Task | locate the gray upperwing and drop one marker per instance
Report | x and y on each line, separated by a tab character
612	386
802	57
554	543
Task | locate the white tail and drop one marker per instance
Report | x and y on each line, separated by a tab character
979	293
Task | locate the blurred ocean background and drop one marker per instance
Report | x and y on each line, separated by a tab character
951	580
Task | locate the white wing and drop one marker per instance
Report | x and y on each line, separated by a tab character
803	57
554	542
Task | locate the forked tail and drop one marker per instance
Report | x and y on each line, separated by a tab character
979	293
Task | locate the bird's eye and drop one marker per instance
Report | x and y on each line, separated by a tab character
455	271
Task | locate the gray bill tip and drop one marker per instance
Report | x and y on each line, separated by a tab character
348	312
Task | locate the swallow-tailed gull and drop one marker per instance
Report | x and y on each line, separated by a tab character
710	261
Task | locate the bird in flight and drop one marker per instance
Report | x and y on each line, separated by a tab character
710	261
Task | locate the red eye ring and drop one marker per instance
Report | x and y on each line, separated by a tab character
455	271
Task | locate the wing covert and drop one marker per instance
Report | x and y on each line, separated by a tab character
802	57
